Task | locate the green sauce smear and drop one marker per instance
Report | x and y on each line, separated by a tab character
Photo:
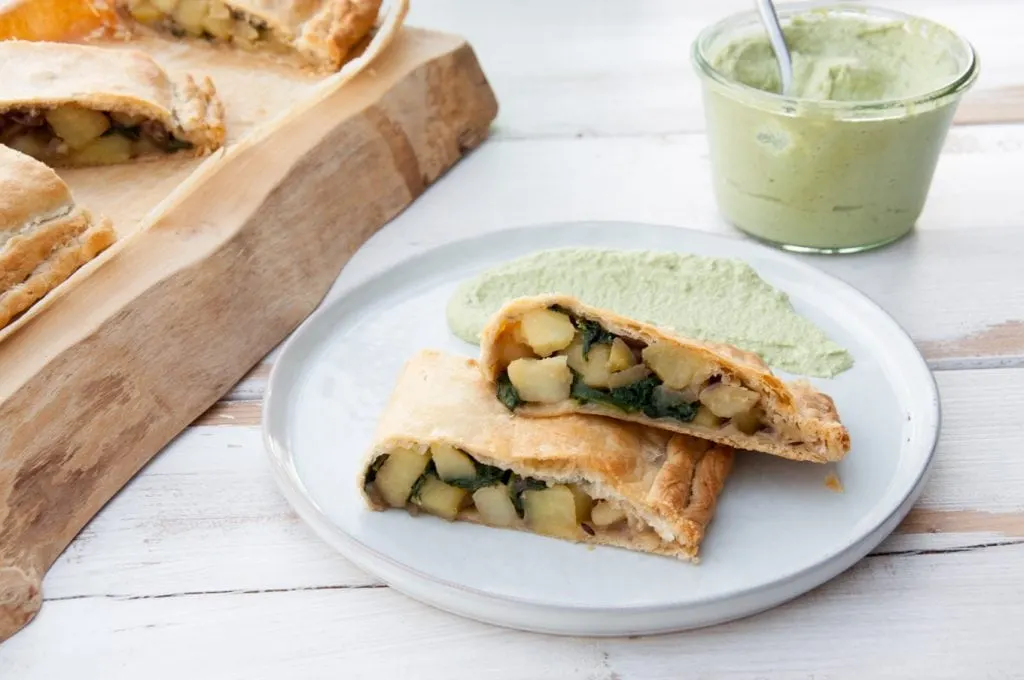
714	299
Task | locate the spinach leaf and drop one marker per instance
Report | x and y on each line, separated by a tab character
636	395
630	398
669	404
593	334
430	471
375	466
643	395
486	475
583	393
175	144
517	485
129	131
507	393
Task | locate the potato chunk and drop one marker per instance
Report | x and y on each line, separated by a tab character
513	349
551	511
583	502
397	475
495	506
546	381
705	418
604	514
629	376
675	366
218	22
245	34
219	27
439	498
594	369
190	14
748	422
218	10
621	356
452	463
165	6
77	125
143	146
726	401
107	150
546	331
146	12
34	143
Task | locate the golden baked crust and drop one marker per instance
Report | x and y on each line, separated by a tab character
44	236
806	423
40	76
29	190
322	32
56	20
669	484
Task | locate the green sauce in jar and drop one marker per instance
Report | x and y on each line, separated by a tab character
844	161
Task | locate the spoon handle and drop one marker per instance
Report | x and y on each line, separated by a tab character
778	42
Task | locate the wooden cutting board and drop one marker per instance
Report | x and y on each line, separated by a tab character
219	260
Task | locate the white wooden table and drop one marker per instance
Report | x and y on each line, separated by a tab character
199	569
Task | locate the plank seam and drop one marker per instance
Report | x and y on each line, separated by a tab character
200	593
976	547
376	586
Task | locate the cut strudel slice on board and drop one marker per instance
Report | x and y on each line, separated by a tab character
551	355
78	105
445	446
44	236
321	32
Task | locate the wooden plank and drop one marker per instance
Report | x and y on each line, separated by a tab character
252	386
957	616
235	413
206	515
1001	339
926	521
110	374
600	67
992	105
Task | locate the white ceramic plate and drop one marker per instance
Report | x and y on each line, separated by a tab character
778	531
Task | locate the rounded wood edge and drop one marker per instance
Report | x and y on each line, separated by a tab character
21	596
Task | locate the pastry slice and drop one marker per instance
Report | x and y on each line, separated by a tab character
44	236
78	105
320	32
446	447
551	355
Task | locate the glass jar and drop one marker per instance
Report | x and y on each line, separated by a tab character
817	174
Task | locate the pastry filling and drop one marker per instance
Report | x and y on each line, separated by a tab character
74	135
447	482
209	19
553	355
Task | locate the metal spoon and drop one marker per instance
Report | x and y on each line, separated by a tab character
778	42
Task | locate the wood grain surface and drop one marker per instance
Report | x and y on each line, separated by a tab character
601	119
185	309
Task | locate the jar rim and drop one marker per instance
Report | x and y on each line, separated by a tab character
957	85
